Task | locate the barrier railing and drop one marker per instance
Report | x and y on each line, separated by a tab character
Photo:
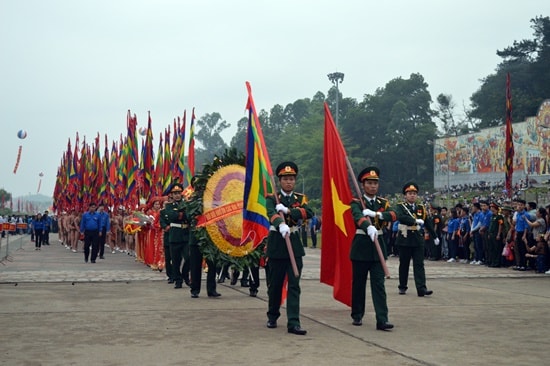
10	240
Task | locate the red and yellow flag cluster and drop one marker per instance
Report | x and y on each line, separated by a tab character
125	175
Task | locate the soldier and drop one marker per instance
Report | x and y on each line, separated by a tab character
196	259
364	256
496	235
177	223
434	220
165	225
410	240
294	208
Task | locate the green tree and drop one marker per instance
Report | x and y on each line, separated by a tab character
5	197
527	62
391	129
209	129
239	139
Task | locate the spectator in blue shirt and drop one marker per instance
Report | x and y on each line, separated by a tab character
90	227
38	230
477	215
452	234
47	227
484	229
522	228
313	228
104	228
464	237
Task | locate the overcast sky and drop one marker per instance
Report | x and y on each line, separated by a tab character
69	66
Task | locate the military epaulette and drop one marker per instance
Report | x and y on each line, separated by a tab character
301	197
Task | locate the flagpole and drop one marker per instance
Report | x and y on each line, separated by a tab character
287	237
376	243
250	105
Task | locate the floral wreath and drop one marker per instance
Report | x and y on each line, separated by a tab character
218	242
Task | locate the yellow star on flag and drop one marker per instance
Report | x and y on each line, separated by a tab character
338	208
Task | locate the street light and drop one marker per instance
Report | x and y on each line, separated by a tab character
433	143
335	78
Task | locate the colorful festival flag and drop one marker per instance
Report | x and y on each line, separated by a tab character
338	225
257	179
190	167
148	161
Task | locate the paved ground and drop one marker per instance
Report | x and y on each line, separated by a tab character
57	310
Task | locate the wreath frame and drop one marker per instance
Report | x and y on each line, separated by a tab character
195	206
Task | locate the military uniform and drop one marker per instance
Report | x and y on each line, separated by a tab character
495	237
178	237
279	265
195	258
433	225
410	241
165	225
364	255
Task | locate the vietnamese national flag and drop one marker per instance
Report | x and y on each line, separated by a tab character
338	225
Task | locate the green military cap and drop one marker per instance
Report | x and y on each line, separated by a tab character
287	168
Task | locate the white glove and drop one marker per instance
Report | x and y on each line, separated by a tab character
373	233
420	221
280	207
436	241
367	212
379	214
284	230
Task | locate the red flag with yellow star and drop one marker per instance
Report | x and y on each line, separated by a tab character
338	225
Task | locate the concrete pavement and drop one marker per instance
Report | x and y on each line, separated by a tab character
57	310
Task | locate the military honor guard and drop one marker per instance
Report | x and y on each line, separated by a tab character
410	240
496	235
196	260
434	222
293	207
177	222
370	216
165	226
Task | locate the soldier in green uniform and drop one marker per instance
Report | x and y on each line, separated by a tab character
196	258
434	221
495	236
410	240
294	208
178	235
165	225
364	256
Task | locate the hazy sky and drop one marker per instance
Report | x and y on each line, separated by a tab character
69	66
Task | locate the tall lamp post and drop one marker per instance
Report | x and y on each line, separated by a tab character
434	144
336	78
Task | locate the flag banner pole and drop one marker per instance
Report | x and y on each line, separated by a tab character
263	156
376	243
